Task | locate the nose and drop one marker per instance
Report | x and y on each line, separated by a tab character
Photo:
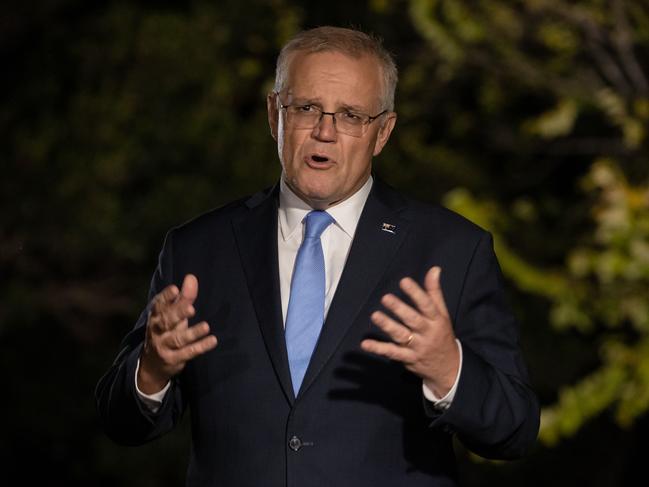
325	129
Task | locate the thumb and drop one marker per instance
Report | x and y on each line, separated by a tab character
189	290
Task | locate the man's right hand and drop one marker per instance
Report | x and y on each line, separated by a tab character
170	342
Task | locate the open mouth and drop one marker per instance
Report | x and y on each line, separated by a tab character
315	158
319	161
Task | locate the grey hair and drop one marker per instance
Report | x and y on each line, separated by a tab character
350	42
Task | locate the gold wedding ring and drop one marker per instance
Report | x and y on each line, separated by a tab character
407	342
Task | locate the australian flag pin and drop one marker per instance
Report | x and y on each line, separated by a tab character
389	227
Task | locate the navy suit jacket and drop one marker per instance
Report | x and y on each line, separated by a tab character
359	419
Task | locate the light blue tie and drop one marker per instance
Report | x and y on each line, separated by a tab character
305	314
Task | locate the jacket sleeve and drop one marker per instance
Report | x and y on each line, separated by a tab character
494	413
123	416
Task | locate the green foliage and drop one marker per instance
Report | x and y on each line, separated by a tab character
579	66
610	279
132	125
121	119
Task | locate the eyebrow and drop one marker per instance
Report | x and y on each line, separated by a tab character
317	101
353	108
305	101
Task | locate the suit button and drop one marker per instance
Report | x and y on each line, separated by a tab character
295	443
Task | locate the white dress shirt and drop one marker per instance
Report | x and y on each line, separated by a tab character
336	242
336	239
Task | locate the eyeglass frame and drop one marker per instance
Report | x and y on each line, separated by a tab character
363	126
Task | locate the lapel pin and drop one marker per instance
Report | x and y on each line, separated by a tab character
389	227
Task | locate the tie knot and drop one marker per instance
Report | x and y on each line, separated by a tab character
316	223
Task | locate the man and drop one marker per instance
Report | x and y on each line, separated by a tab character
358	331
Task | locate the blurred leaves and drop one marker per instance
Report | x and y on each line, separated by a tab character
120	119
582	67
137	123
611	273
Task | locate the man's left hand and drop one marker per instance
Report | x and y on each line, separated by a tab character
423	336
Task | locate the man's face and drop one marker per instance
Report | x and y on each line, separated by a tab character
321	165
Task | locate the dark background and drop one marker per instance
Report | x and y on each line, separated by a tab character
122	119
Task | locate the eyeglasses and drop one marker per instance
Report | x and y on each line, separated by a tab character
345	121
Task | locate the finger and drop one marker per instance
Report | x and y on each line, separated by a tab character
179	338
195	349
419	297
155	325
162	323
165	321
174	313
165	297
173	316
434	289
395	330
408	315
389	350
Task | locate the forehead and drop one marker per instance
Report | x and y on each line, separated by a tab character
335	78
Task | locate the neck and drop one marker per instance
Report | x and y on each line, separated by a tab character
323	204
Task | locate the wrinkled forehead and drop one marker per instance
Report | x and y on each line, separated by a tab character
334	77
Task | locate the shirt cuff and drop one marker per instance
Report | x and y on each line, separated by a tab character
151	401
445	402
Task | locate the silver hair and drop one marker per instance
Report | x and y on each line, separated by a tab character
350	42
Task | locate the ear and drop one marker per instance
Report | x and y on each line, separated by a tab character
384	132
273	113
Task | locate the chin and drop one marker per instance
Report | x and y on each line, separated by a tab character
319	199
313	189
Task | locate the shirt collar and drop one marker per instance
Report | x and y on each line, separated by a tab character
292	210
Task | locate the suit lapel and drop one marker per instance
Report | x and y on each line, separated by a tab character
256	235
372	250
